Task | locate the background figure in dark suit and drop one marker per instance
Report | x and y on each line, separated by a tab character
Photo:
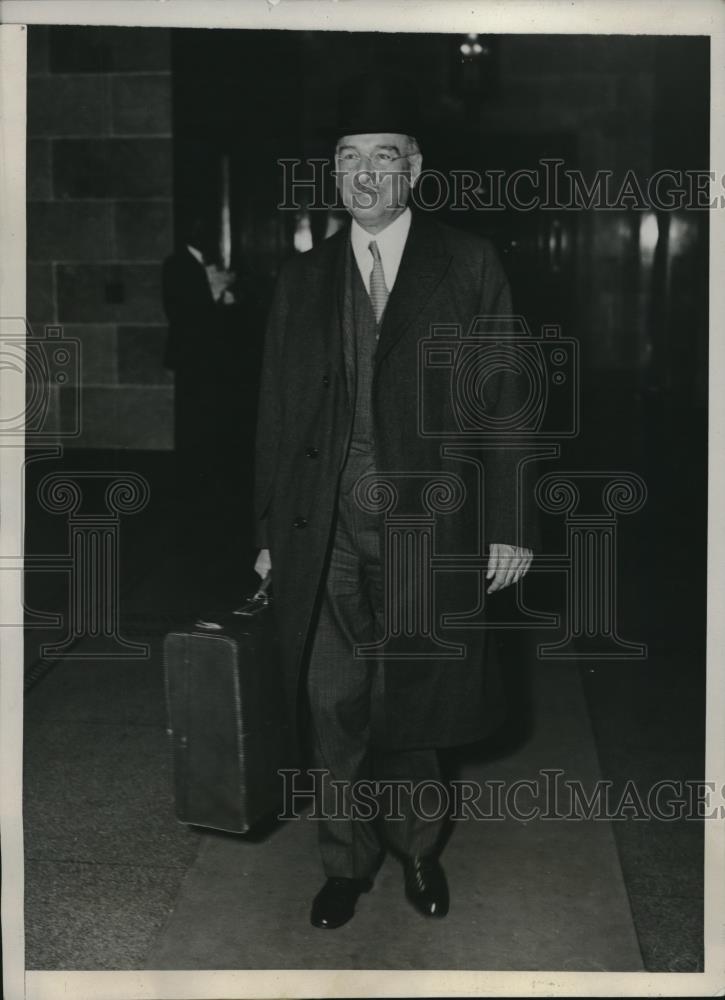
213	348
339	404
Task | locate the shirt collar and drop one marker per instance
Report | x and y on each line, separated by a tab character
390	240
196	254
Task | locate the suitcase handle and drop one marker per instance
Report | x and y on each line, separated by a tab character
258	601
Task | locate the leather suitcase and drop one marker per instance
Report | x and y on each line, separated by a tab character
227	719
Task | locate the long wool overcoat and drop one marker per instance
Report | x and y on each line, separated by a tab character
446	278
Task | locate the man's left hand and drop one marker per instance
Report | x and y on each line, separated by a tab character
506	565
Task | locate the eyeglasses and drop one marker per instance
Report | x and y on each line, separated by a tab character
349	159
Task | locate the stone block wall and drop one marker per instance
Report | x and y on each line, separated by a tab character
100	222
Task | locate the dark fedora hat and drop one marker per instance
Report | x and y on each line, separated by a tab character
377	102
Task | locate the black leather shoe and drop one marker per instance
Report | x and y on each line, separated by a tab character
426	887
335	903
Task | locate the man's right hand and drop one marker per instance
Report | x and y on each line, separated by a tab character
220	281
263	565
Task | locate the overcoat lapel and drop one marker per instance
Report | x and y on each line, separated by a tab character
423	265
330	297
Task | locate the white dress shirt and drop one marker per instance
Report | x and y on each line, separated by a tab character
391	243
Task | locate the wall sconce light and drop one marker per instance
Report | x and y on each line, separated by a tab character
474	66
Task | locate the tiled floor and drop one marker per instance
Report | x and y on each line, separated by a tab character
105	857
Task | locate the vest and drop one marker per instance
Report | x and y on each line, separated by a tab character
359	337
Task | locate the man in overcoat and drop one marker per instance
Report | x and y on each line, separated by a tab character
215	327
339	406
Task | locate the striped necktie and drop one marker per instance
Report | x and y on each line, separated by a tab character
378	289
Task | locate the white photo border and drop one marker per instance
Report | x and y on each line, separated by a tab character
650	17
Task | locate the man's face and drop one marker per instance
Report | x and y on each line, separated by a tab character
375	172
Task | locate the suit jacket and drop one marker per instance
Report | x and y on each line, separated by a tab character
190	308
207	337
446	278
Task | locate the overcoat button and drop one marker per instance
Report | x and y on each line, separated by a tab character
299	522
312	452
325	380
